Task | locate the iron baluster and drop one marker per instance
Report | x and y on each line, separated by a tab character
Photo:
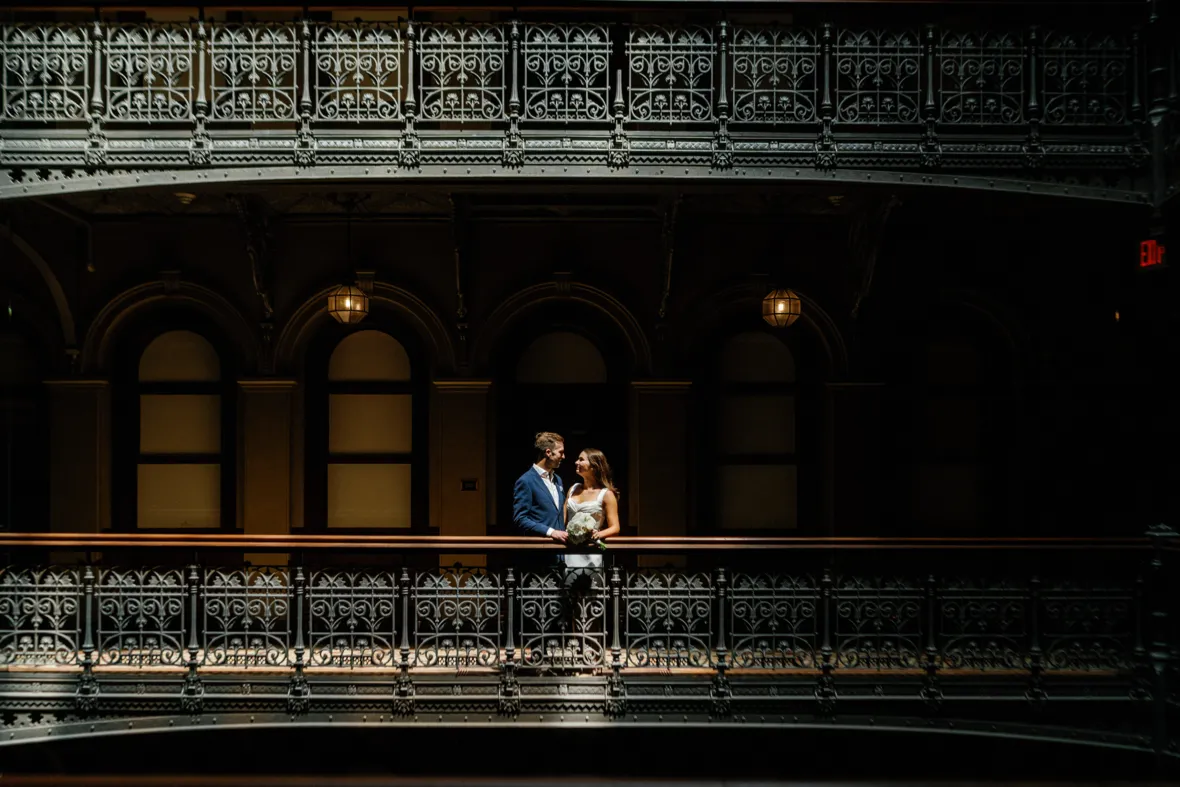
193	691
304	141
825	690
825	146
86	696
509	696
930	146
299	691
722	144
201	145
513	141
1034	152
96	140
721	693
410	153
931	690
1159	636
616	692
403	696
1036	657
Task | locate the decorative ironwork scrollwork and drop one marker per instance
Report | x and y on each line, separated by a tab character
358	72
774	75
669	619
456	619
981	78
670	74
352	619
878	75
1087	629
773	621
39	616
141	617
247	617
46	72
566	72
1085	79
149	73
877	623
982	624
563	618
254	77
461	72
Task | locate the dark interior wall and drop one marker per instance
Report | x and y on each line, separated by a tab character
1033	285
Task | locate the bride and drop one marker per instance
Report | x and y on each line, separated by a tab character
596	496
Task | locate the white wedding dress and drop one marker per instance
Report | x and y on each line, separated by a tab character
594	509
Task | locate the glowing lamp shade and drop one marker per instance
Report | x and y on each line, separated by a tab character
348	304
781	308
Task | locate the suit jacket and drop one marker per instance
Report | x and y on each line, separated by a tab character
533	511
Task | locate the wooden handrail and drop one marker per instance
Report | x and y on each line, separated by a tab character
354	543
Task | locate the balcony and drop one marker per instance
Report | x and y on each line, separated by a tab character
1016	107
1037	639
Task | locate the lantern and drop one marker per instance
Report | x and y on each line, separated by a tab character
781	308
348	304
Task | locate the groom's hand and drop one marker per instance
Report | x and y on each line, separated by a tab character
559	535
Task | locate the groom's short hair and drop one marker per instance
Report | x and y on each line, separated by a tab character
546	441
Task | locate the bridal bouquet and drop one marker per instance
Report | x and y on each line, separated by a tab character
579	529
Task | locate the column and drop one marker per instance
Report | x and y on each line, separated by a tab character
657	497
854	459
458	461
79	456
264	481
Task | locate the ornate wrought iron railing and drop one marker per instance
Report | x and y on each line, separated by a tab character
1056	639
490	98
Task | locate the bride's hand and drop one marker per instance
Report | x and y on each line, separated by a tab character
594	536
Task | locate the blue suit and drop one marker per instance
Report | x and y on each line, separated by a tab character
533	511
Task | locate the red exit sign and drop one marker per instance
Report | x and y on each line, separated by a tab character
1151	254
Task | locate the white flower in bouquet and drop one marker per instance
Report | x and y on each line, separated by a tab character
579	528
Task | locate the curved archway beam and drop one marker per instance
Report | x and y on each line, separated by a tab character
64	314
34	182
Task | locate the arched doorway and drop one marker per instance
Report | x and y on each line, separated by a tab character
558	375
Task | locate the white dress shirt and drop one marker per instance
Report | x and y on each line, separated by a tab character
547	477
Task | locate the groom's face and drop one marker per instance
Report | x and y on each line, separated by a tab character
554	455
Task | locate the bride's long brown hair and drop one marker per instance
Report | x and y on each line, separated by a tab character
601	468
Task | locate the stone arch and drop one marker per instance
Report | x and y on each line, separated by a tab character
64	315
97	347
711	315
1006	326
312	313
519	304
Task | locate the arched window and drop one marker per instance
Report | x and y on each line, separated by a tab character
373	434
180	472
756	470
561	358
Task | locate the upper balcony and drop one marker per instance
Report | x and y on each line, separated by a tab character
1003	105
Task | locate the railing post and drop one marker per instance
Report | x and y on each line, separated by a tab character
299	691
409	155
403	695
930	147
509	693
1034	151
825	690
192	692
722	143
513	154
616	692
86	695
721	693
931	690
304	141
1035	693
618	154
200	151
1159	656
96	139
825	145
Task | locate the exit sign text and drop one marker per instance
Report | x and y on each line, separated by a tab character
1151	254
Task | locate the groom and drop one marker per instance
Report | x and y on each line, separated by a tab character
538	494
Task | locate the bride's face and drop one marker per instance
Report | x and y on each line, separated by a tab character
581	466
